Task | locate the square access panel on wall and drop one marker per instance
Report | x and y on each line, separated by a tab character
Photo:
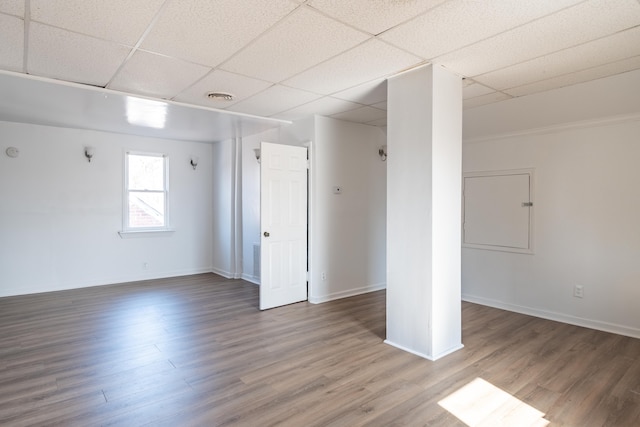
498	210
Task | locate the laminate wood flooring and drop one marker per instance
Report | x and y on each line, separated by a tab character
196	351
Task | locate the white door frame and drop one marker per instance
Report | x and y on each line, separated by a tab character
310	216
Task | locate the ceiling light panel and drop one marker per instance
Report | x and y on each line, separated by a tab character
154	75
209	32
362	115
303	39
12	7
12	46
458	23
123	21
325	106
368	61
606	70
222	81
570	27
73	57
373	16
598	52
273	100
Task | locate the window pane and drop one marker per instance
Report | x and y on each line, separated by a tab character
146	172
146	209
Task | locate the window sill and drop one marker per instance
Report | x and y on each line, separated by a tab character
128	234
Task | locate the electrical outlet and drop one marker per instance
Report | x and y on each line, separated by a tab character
578	291
324	276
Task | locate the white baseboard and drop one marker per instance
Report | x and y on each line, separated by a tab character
347	293
558	317
408	350
54	287
225	274
424	356
250	278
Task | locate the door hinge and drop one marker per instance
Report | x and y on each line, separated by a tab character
308	276
527	204
308	164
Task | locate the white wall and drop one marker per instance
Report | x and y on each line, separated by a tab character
586	205
348	234
614	96
349	229
251	202
221	217
60	215
298	133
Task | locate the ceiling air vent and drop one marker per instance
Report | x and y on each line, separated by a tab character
220	96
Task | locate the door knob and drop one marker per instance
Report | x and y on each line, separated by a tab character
266	234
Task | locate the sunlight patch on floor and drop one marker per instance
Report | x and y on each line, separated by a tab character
480	404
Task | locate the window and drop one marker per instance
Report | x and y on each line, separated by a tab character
146	195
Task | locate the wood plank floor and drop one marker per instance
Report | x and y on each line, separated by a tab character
196	351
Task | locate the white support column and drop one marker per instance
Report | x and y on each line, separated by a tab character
424	172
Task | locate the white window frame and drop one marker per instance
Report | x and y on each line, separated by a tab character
127	230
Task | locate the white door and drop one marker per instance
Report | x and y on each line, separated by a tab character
283	225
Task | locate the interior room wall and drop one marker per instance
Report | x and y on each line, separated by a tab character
349	229
297	133
348	235
585	206
617	96
251	204
60	215
227	209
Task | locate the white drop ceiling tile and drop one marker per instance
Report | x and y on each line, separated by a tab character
598	52
379	122
12	46
123	21
240	87
373	16
474	90
12	7
325	106
274	100
208	32
484	99
381	105
155	75
569	27
361	115
458	23
467	82
73	57
303	39
368	93
606	70
368	61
